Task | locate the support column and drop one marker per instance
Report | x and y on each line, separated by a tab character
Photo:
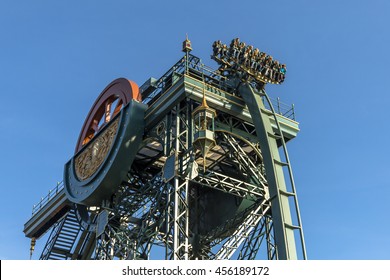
281	213
175	167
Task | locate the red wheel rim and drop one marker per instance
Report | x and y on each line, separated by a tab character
109	103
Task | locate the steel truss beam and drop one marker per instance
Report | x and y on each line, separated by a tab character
252	244
229	185
178	145
152	210
242	233
245	161
133	219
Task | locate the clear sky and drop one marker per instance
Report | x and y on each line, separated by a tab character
57	56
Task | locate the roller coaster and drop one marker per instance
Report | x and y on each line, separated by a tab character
192	165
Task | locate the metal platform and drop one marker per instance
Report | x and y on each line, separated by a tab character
180	82
47	212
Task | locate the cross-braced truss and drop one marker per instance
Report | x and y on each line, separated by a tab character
170	209
193	206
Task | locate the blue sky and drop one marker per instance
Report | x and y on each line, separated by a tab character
57	56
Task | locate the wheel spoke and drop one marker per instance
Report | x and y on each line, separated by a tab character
109	103
107	114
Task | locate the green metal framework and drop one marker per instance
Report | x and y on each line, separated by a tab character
167	198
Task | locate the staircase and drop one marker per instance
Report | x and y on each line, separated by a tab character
62	238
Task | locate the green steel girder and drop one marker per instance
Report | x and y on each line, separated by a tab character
234	105
281	213
242	114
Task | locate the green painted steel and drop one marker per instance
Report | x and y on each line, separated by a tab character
101	185
232	104
281	212
231	205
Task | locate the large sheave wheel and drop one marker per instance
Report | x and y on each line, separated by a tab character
107	145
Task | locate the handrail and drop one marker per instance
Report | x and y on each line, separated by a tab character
45	200
212	77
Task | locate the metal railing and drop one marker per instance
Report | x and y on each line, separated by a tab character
193	67
44	200
281	108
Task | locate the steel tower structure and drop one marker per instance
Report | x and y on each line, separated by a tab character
194	163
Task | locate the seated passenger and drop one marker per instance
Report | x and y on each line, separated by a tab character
234	48
254	59
241	51
244	57
217	48
275	71
266	65
224	52
282	73
261	62
247	62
